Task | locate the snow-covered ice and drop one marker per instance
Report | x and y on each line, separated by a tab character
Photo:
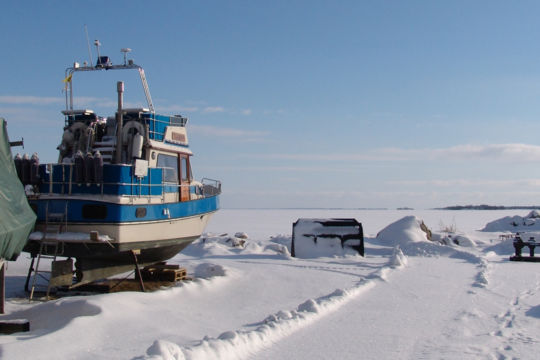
446	293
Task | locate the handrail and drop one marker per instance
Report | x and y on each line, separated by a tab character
71	70
209	187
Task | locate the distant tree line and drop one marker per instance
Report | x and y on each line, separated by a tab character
488	207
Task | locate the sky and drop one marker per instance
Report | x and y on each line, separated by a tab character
293	104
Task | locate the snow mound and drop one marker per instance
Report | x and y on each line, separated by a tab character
398	259
281	244
502	248
403	232
282	249
216	245
453	240
463	240
166	350
482	277
414	238
241	235
238	240
281	239
239	244
515	223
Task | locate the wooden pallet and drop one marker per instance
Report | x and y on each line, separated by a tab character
163	272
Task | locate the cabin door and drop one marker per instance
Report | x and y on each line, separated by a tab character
184	177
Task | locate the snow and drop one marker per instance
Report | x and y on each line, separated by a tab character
455	296
516	223
403	232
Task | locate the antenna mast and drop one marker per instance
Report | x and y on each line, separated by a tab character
88	43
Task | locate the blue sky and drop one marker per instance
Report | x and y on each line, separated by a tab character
355	104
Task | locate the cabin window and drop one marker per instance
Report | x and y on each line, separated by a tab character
140	212
169	164
94	211
186	169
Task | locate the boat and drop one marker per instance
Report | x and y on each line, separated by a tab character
122	191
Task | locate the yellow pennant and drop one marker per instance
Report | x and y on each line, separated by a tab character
68	78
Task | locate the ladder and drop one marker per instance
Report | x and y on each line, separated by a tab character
146	90
106	148
50	246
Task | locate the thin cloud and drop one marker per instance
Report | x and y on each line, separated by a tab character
494	152
521	152
29	116
213	109
221	132
89	101
85	101
30	100
179	109
283	169
468	182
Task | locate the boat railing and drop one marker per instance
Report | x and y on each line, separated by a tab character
157	124
158	182
210	187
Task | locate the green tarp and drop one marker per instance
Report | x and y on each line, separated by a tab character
16	217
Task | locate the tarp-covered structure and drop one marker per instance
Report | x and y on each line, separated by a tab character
16	217
313	238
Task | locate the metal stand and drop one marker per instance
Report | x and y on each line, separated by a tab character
30	270
138	270
2	286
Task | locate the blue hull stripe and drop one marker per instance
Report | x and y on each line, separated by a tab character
119	213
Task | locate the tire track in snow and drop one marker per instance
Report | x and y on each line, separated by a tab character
240	344
347	270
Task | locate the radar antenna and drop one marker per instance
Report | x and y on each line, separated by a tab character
98	44
125	51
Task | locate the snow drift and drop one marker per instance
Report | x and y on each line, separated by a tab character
413	237
530	222
403	232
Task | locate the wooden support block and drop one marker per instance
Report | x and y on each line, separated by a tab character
61	273
170	273
161	267
14	326
525	258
